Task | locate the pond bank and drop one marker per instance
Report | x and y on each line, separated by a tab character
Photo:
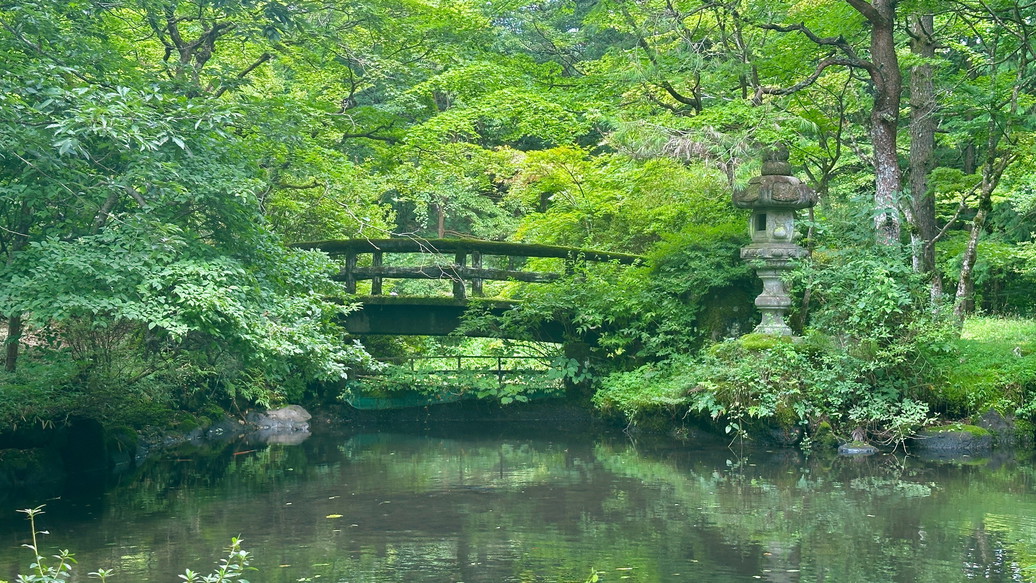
37	457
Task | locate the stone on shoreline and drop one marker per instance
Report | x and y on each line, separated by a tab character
955	438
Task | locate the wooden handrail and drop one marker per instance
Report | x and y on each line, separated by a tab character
445	246
458	271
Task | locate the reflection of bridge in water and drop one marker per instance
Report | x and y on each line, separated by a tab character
422	380
462	263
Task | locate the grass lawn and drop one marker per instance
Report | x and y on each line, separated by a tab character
993	365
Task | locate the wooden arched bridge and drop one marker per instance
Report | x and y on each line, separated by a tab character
465	265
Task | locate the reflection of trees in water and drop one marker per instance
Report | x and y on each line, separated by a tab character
986	558
394	507
844	519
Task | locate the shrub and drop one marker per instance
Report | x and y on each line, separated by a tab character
864	364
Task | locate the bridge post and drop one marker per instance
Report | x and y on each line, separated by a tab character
458	281
350	269
476	282
376	261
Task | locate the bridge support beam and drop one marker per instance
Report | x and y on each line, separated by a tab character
409	316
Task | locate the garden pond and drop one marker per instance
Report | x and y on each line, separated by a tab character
493	503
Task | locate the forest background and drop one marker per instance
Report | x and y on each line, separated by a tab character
159	156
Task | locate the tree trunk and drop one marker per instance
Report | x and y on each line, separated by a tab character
992	171
993	168
20	241
969	158
14	334
964	302
922	151
888	83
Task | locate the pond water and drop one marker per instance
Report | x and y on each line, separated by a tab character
538	504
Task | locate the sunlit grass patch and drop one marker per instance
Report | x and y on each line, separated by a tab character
993	366
1001	332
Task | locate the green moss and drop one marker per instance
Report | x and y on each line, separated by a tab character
973	430
212	412
756	341
723	314
992	366
824	435
186	424
784	416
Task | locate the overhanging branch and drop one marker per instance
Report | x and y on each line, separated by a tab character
812	78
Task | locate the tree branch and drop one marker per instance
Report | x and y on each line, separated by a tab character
866	9
372	135
135	195
104	211
694	102
960	208
262	59
312	184
761	90
832	41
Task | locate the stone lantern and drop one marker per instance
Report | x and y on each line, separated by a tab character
773	198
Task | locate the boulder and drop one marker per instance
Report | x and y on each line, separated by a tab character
1005	429
857	448
287	425
955	438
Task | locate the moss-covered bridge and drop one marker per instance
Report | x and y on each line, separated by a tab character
464	265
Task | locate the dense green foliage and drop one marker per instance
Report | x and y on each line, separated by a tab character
158	155
862	362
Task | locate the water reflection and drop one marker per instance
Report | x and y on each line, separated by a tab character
465	507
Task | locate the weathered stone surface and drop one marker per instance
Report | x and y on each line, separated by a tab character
289	414
1005	430
857	448
954	438
993	422
725	312
775	160
287	425
773	197
775	191
772	252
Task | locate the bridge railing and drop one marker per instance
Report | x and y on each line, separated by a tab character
421	380
498	366
467	265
